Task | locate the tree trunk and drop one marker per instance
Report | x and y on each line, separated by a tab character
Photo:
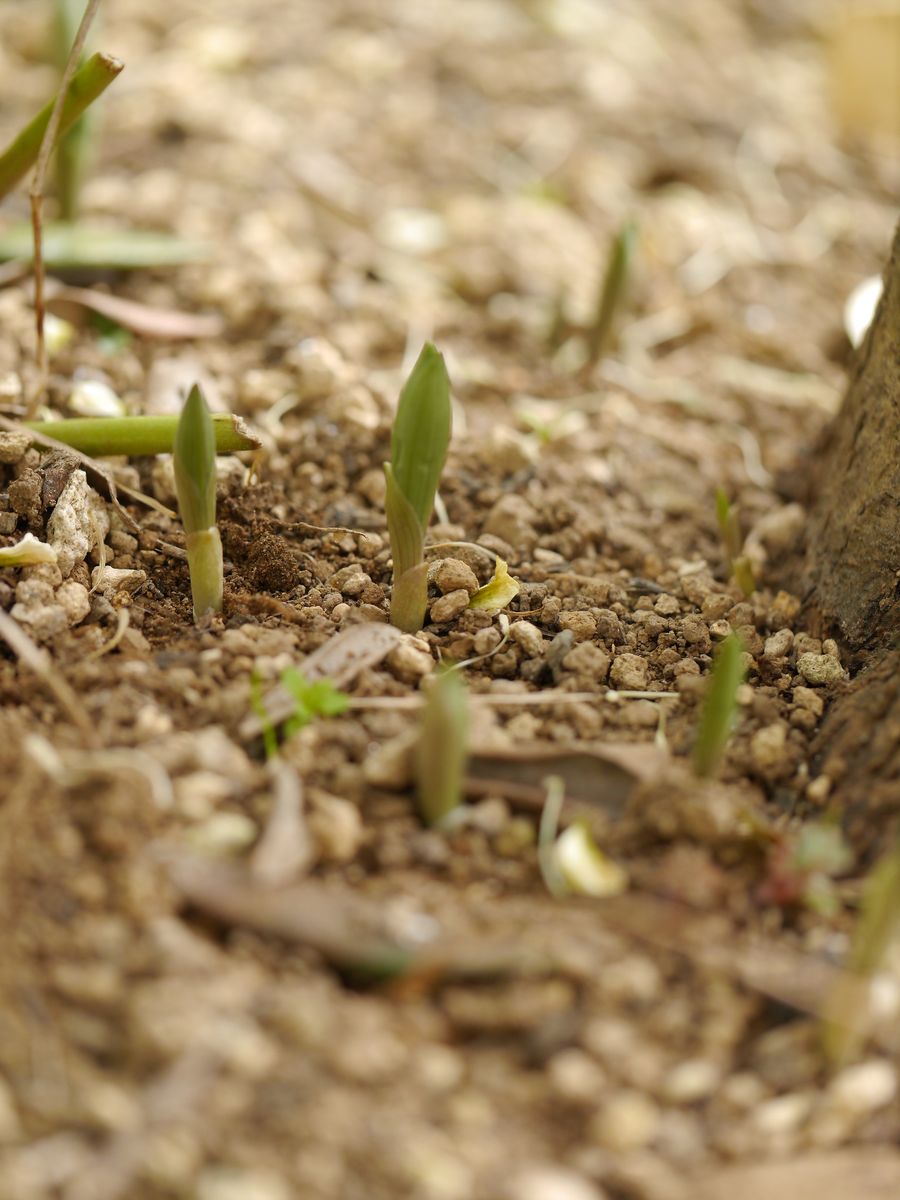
853	575
853	553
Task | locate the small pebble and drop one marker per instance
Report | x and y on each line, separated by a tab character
527	637
453	574
582	624
819	669
552	1183
864	1087
690	1081
629	673
450	606
627	1122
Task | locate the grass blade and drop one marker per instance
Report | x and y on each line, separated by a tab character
720	707
68	247
87	84
613	291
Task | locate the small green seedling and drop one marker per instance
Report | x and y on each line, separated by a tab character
317	699
194	460
419	443
720	707
442	748
739	566
613	291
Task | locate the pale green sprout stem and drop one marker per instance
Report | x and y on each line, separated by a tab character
739	566
99	437
442	748
27	553
720	707
88	83
614	290
194	460
877	928
419	443
72	149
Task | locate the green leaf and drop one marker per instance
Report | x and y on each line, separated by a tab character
194	460
317	699
68	247
720	707
421	433
442	748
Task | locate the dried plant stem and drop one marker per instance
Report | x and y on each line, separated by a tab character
42	665
36	196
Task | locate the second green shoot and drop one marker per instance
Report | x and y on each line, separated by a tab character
194	460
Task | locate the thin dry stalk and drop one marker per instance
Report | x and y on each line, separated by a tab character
36	196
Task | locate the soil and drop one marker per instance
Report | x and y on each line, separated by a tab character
223	977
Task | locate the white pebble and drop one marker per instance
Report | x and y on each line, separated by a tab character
864	1086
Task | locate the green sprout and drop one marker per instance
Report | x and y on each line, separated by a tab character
442	748
419	442
739	565
720	707
613	291
319	698
194	460
89	82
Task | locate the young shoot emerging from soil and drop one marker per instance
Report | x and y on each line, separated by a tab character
442	748
720	707
194	460
419	442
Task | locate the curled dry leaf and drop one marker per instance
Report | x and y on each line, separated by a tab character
73	304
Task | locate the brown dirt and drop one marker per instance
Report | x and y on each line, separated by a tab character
370	176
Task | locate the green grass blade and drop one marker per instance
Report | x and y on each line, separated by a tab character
194	460
442	748
720	707
87	84
72	149
421	433
68	247
614	290
136	436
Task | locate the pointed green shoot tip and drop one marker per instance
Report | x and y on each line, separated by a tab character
194	460
720	707
421	433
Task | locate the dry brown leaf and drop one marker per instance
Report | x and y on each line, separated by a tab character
601	776
167	324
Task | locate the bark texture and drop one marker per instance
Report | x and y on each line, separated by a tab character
853	571
853	547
